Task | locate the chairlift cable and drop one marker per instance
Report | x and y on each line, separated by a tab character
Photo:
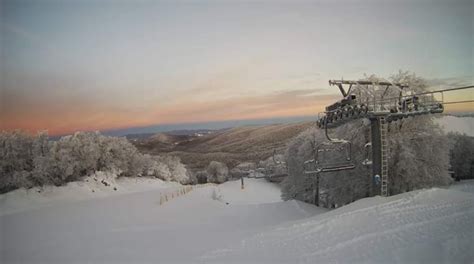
459	102
432	92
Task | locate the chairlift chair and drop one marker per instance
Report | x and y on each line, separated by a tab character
325	152
321	163
368	150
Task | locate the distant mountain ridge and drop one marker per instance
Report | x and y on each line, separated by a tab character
214	125
183	132
231	146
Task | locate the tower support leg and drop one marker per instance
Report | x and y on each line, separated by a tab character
376	155
379	177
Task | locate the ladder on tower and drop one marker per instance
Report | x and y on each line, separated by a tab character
384	156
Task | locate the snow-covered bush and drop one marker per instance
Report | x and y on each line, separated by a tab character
75	156
217	172
177	170
120	155
27	161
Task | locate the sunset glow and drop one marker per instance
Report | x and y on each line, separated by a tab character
99	65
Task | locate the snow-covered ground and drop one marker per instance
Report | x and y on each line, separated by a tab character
92	187
135	228
224	224
463	125
427	226
108	220
255	192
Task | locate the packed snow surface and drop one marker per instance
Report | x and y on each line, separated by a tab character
225	224
428	226
134	228
98	185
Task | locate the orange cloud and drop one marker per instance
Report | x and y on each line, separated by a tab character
60	119
63	118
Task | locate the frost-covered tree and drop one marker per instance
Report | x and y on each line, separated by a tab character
418	155
242	170
27	161
153	166
339	187
274	165
16	160
217	172
178	171
75	156
120	155
201	176
462	156
42	160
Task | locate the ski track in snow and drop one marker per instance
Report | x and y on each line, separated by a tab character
428	226
242	226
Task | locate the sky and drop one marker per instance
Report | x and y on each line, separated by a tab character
98	65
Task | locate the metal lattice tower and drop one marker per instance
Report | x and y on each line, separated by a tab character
380	110
384	156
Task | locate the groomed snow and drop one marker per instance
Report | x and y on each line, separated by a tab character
426	226
254	192
224	224
463	186
91	187
135	228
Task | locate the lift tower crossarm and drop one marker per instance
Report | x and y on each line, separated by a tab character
340	83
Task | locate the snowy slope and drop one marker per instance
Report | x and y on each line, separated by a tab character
224	224
463	125
90	188
427	226
134	228
463	186
254	192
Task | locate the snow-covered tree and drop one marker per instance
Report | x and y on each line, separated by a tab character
242	169
201	176
178	171
339	187
419	155
217	172
16	160
27	161
75	156
274	165
42	161
462	156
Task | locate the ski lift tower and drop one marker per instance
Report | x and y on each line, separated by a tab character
380	111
